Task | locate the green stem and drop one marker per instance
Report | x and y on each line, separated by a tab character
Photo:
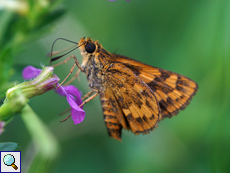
12	105
46	145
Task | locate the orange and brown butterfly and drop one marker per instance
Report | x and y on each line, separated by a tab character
133	95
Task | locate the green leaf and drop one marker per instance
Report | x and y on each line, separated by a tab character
5	19
50	18
8	146
6	60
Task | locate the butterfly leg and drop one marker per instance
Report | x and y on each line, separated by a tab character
87	95
77	63
84	97
76	76
86	101
65	61
77	73
89	99
66	118
67	110
71	71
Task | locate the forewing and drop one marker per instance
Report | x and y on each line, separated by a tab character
135	98
173	91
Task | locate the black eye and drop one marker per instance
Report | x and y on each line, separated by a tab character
90	47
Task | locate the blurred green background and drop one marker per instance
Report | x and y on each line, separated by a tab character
187	37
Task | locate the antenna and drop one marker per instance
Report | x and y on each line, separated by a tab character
58	57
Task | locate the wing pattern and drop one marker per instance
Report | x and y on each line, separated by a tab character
135	98
173	91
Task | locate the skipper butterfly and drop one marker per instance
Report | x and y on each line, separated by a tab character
133	95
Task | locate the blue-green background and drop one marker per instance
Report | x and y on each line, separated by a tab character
189	37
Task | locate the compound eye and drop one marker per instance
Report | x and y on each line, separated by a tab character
90	47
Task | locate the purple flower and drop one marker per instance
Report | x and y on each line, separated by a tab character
71	93
45	80
30	72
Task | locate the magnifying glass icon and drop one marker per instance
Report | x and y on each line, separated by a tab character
9	160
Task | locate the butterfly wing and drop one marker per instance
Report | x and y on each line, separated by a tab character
173	91
135	98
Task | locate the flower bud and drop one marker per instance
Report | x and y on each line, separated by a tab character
18	96
44	82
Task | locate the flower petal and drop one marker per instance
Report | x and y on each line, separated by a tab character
78	115
71	101
61	91
72	90
30	72
72	94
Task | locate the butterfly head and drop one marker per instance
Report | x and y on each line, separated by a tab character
88	46
92	50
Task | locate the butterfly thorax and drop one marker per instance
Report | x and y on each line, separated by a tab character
94	64
93	70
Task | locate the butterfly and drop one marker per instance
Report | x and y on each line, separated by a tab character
133	95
